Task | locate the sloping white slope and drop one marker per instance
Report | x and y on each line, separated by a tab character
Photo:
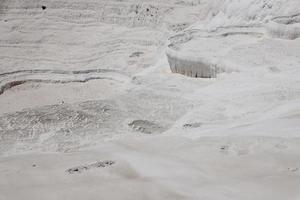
249	12
165	136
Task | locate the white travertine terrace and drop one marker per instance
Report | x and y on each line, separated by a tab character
201	54
284	27
276	19
189	65
89	108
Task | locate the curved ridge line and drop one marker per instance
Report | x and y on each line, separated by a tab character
15	83
35	71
